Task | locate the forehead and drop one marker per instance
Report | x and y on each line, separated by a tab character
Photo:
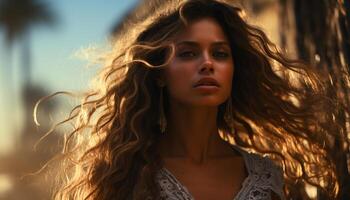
205	29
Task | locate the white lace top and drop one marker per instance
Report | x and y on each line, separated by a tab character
263	178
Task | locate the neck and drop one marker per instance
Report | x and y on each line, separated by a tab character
192	133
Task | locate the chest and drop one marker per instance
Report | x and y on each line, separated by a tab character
217	180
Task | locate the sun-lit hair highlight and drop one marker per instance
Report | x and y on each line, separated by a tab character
280	109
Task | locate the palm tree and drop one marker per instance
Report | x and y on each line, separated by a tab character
17	17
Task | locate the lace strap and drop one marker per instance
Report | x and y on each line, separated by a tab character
264	173
268	175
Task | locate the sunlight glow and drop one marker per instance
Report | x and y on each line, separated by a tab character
311	191
6	183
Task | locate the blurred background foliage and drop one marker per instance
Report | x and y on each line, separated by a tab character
316	31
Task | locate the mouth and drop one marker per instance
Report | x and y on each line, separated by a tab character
206	82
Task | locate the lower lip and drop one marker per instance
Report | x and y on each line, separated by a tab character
207	88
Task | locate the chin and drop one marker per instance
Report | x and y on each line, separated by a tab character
204	100
210	102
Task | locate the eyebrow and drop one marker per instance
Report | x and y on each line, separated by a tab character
192	43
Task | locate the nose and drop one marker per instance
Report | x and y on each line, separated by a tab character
207	65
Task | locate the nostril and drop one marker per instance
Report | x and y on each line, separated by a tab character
206	71
207	66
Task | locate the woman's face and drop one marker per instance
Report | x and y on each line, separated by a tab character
200	73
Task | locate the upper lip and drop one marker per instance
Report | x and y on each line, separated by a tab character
206	81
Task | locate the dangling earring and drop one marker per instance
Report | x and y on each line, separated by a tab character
162	120
228	116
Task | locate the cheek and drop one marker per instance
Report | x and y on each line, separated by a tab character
178	78
228	73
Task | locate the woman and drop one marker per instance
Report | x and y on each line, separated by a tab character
189	91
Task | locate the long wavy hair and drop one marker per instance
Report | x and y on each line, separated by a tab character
279	109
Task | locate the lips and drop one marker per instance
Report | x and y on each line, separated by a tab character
206	82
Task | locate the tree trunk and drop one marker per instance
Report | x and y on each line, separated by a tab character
26	81
26	60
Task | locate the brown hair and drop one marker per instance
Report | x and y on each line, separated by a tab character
279	109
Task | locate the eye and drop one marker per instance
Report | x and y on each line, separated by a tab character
186	54
220	54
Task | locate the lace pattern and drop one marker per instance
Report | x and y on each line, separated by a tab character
263	178
171	188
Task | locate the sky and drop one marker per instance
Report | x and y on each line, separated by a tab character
56	60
